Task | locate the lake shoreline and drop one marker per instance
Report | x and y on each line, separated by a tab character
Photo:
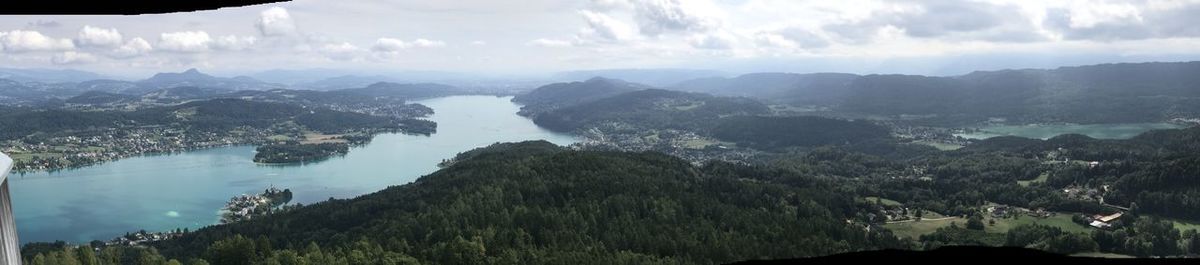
162	192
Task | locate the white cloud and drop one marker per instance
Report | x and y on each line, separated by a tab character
802	37
132	48
72	57
1087	15
389	45
1121	20
395	45
774	40
549	43
607	33
275	21
99	37
17	41
610	4
184	41
424	43
606	27
233	42
657	17
341	51
719	41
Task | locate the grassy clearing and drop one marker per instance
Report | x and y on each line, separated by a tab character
26	157
697	143
316	138
933	221
1103	255
689	106
1041	178
1060	220
885	201
1185	225
940	146
915	229
279	138
789	108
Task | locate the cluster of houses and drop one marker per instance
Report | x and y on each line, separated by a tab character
1005	211
1104	221
897	214
142	237
73	151
244	207
1085	193
621	137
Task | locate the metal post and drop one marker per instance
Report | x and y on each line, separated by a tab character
10	248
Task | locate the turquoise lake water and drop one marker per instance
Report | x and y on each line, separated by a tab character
164	192
1047	131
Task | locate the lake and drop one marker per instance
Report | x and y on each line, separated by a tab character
1047	131
165	192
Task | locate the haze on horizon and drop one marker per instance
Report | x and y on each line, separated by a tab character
545	36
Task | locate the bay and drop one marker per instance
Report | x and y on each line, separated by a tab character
185	190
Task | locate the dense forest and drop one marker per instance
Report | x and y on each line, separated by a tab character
1107	93
785	88
545	204
199	116
99	97
295	152
813	185
549	97
650	109
534	202
774	133
404	91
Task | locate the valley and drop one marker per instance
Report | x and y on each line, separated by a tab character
935	181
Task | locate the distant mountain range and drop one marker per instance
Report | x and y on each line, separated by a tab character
1107	93
171	88
47	75
194	78
654	77
559	95
649	109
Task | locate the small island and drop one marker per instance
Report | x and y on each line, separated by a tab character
299	152
246	207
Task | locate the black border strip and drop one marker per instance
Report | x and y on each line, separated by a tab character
119	7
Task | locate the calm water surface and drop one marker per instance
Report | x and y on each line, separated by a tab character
164	192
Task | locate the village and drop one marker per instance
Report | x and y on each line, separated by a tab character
142	237
62	152
687	145
245	207
239	208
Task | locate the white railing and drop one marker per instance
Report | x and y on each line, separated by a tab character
10	248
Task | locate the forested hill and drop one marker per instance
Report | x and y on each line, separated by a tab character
1107	93
404	91
558	95
818	88
650	108
548	205
1157	172
198	116
776	133
1085	94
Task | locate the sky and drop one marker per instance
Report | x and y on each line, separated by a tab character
543	36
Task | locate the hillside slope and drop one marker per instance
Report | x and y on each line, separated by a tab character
536	203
